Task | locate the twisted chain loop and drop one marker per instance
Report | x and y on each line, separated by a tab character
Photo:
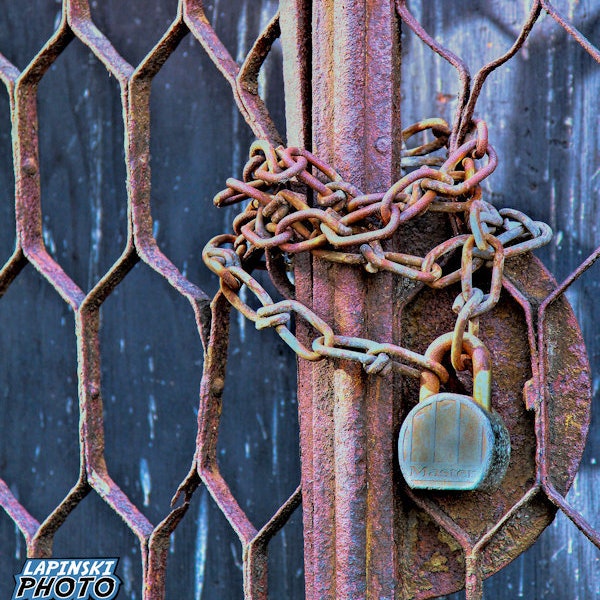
345	225
376	358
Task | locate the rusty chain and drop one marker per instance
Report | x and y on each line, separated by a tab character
376	358
348	226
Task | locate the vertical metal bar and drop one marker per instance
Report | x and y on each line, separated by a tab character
295	16
347	423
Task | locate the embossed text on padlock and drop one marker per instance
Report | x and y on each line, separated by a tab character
451	441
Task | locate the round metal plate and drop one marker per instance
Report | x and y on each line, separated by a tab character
431	561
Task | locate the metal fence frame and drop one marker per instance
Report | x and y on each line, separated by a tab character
135	85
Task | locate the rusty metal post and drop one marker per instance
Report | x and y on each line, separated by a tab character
347	419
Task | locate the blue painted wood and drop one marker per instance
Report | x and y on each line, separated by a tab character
542	112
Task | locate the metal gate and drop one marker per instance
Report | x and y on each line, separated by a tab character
122	235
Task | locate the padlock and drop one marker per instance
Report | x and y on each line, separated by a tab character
451	441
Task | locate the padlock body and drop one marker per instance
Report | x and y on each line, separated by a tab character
449	442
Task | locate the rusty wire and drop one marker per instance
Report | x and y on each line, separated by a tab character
135	84
212	317
538	392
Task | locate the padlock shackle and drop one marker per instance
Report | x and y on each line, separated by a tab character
482	368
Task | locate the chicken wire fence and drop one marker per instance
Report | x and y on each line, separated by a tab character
32	248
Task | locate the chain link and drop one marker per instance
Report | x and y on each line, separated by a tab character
347	226
375	357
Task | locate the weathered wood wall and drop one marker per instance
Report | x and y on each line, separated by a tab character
542	113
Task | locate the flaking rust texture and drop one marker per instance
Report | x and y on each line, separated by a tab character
347	418
434	543
428	550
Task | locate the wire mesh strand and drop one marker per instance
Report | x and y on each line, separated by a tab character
135	87
539	346
212	319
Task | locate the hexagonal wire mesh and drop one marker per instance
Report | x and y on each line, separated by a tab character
32	248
